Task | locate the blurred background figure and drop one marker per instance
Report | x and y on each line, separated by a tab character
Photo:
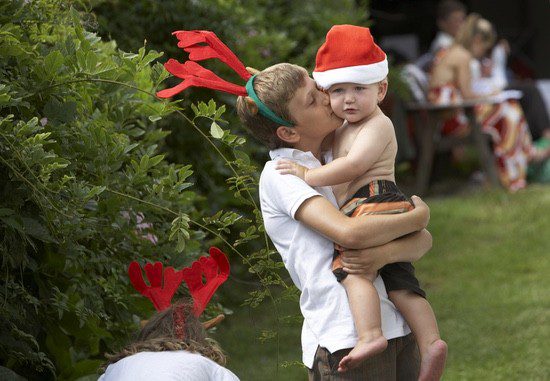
489	72
451	81
449	18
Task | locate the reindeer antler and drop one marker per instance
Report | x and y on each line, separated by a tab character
215	269
159	292
191	40
194	75
202	45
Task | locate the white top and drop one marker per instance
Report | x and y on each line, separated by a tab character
307	256
442	40
169	366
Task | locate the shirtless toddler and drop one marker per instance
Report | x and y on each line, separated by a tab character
353	69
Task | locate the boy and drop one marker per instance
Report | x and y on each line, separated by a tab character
303	223
284	108
353	69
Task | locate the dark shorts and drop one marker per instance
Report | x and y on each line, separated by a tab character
381	197
400	361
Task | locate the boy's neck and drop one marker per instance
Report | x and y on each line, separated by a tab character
313	147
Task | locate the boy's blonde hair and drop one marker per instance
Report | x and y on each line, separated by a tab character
475	25
275	86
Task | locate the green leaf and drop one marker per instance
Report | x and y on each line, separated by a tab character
130	147
180	245
37	230
96	190
211	107
53	62
216	131
155	160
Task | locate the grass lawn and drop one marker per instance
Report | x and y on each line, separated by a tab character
486	277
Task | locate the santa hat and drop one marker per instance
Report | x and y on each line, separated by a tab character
349	54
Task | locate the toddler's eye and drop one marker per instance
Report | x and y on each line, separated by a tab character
359	88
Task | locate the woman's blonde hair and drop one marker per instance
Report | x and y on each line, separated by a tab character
275	86
159	335
475	25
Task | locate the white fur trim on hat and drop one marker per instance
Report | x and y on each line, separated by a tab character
363	74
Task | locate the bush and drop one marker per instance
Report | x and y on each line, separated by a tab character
84	190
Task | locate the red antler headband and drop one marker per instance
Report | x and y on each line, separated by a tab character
215	270
202	45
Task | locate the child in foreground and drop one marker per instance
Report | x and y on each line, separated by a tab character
354	69
165	351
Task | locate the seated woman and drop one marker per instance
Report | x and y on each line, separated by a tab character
171	346
504	122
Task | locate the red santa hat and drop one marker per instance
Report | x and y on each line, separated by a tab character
349	54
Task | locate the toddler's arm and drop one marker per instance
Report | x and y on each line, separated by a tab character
367	148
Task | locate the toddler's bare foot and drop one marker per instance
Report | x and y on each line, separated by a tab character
433	362
362	351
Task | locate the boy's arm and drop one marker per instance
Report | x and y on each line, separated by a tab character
405	249
363	231
367	148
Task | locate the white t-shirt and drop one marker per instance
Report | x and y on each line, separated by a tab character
441	41
307	256
167	366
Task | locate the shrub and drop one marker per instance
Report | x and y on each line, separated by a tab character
84	190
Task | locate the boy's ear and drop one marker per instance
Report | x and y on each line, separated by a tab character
288	134
382	90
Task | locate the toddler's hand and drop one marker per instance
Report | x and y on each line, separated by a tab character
288	167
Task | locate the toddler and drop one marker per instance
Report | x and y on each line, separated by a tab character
353	69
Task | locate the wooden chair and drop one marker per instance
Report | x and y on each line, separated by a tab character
428	121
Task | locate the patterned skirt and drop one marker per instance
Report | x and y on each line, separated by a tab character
504	122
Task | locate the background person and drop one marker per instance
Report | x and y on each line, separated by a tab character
490	71
504	122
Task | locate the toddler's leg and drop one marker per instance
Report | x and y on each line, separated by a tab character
419	315
365	309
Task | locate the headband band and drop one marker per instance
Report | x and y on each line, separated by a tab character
262	108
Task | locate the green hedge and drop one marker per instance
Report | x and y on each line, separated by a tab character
84	190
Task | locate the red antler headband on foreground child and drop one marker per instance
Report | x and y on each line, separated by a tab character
163	285
173	344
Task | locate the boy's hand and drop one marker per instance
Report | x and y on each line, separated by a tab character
422	210
363	261
288	167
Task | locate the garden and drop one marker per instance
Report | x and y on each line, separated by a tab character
97	172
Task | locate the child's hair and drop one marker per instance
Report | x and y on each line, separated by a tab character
275	86
447	7
159	335
475	25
